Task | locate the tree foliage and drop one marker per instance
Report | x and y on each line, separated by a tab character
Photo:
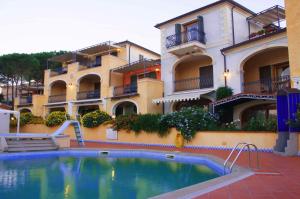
16	69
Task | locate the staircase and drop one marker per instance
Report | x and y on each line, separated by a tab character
286	144
21	144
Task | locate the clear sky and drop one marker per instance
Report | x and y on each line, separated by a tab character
43	25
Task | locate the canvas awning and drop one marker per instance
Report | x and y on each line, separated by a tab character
182	97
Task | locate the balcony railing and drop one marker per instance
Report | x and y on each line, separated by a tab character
193	83
58	71
125	90
267	86
57	98
25	100
185	37
88	95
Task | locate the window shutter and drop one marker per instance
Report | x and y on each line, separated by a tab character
201	29
178	33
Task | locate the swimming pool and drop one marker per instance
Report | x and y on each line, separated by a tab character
95	174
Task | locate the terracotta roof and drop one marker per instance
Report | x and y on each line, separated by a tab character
207	7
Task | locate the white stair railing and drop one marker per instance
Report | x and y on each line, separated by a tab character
229	166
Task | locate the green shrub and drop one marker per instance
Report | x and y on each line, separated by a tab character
36	120
260	123
25	118
55	118
150	123
95	118
124	122
190	120
223	92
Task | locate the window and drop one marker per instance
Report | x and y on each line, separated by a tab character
98	60
141	57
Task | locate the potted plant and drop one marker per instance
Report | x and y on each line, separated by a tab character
179	140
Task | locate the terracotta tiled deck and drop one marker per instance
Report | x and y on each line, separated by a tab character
282	183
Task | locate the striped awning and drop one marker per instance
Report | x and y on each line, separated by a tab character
182	97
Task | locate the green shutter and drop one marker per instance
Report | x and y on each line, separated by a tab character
178	33
201	29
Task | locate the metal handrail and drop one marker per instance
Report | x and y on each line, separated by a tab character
244	145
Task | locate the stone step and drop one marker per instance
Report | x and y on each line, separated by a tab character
30	145
22	149
28	141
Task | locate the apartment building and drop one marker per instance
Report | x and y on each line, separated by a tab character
224	44
119	78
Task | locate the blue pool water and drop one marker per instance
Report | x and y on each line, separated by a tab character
91	175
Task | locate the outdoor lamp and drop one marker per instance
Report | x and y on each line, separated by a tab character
226	73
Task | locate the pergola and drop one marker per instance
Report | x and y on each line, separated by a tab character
86	53
140	64
271	16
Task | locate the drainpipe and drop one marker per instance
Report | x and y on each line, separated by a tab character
225	67
232	23
129	54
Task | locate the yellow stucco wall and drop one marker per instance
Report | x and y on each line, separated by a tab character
148	89
208	139
293	31
190	69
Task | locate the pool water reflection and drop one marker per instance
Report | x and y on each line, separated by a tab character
90	177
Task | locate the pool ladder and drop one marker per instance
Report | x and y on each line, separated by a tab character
228	167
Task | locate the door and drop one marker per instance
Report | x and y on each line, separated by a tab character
133	83
206	79
265	78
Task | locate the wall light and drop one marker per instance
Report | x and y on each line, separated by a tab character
157	69
226	73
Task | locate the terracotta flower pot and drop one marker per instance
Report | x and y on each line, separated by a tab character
179	141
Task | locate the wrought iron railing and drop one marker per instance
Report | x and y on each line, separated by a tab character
125	90
58	71
185	37
95	94
57	98
24	100
193	83
268	86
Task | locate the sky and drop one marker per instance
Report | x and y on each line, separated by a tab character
28	26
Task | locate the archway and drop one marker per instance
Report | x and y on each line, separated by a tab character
125	108
193	72
266	71
265	111
25	110
58	91
82	110
89	87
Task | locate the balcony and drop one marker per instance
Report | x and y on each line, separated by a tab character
186	42
193	84
25	101
86	95
267	86
57	98
126	90
267	22
58	71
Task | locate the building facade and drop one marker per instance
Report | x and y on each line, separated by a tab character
118	78
224	44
